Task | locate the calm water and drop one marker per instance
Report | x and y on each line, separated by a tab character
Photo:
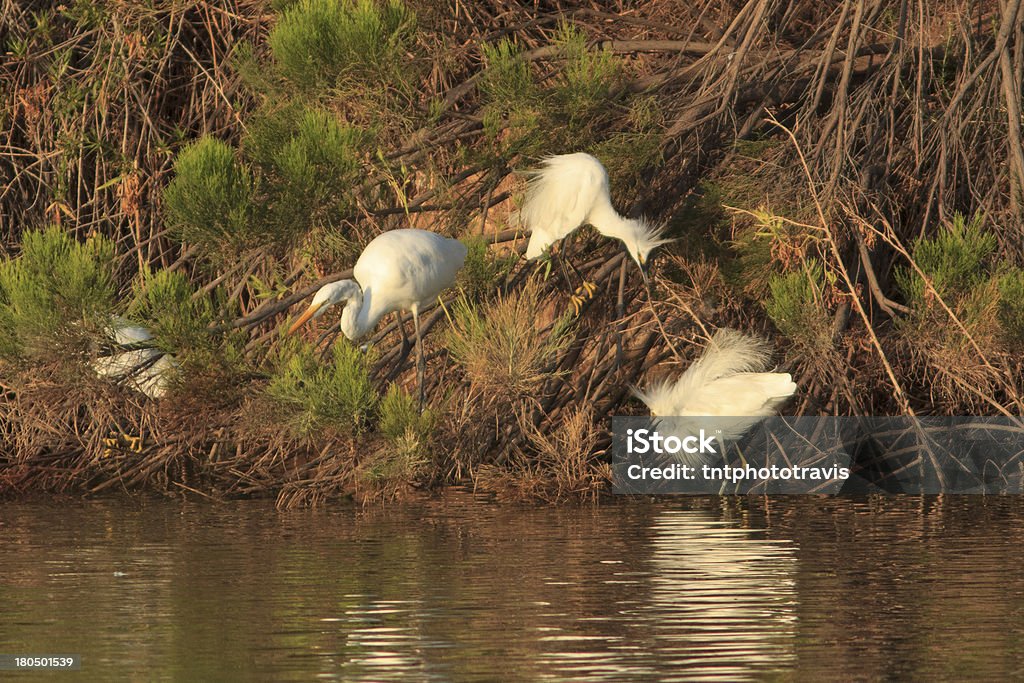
731	589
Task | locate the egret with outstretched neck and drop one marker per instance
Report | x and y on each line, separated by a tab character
729	380
400	270
570	190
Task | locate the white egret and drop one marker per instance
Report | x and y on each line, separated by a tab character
137	363
727	381
399	270
569	190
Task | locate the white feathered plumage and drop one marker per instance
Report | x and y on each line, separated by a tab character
143	368
399	270
569	190
728	380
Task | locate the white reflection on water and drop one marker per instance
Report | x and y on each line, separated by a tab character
720	602
723	598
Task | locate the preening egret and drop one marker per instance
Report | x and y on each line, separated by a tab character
400	270
569	190
136	364
727	381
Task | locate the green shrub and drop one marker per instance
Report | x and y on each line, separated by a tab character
504	346
506	78
1011	305
566	111
795	306
54	292
311	163
314	396
587	80
319	43
954	260
513	100
176	317
209	202
483	268
400	417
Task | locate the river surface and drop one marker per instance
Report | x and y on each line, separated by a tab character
458	589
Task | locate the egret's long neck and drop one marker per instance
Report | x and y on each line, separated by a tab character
608	222
359	316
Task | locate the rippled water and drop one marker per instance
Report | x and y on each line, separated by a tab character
697	589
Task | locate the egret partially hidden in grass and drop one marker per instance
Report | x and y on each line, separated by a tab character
400	270
729	380
135	362
570	190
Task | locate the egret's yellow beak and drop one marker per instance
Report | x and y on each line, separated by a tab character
310	312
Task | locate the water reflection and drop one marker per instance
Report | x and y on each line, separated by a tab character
735	589
723	595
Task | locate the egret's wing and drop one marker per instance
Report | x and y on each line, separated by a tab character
746	393
125	333
154	380
124	363
400	268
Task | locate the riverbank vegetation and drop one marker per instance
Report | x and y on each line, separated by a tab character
845	178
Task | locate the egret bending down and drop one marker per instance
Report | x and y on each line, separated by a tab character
570	190
728	380
400	270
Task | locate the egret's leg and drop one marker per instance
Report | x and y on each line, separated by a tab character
419	354
405	337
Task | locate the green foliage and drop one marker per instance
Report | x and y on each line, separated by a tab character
513	99
506	78
409	437
954	260
483	268
795	306
209	202
177	318
628	153
319	43
1011	305
586	82
566	110
315	397
310	161
53	291
400	417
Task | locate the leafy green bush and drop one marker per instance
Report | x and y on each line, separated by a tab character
504	346
1011	305
588	79
319	43
176	317
954	260
795	306
209	202
483	268
53	291
314	396
564	111
400	417
311	163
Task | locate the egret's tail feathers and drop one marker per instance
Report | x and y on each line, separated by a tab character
730	352
728	380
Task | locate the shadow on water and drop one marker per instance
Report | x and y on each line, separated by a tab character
697	589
